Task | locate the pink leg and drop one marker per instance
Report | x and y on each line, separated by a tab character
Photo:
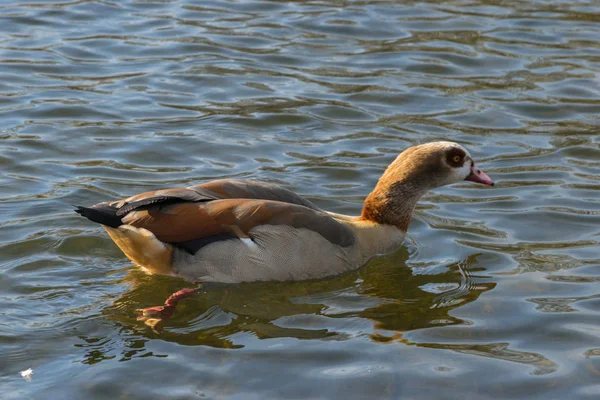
160	313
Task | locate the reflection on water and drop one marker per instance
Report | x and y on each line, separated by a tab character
500	351
495	294
385	293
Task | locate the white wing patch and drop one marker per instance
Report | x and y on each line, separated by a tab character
249	242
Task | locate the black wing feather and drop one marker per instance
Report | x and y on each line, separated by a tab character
101	213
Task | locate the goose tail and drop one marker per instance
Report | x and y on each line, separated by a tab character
101	213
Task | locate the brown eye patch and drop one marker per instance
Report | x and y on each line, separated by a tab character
455	158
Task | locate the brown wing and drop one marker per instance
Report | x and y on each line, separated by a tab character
195	216
240	189
185	222
220	189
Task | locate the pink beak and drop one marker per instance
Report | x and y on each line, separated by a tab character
479	176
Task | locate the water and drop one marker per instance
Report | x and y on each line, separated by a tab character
495	294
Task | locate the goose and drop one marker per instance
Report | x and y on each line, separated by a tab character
233	231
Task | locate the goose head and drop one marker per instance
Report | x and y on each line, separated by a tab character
435	164
413	173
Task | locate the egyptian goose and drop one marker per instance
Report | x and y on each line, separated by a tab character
239	231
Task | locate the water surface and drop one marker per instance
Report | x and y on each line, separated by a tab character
494	295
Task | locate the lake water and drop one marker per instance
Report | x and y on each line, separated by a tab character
495	293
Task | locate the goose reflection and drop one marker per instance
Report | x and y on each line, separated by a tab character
384	301
385	295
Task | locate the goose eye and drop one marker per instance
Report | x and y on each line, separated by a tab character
456	159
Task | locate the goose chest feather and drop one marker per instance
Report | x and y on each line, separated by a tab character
241	231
